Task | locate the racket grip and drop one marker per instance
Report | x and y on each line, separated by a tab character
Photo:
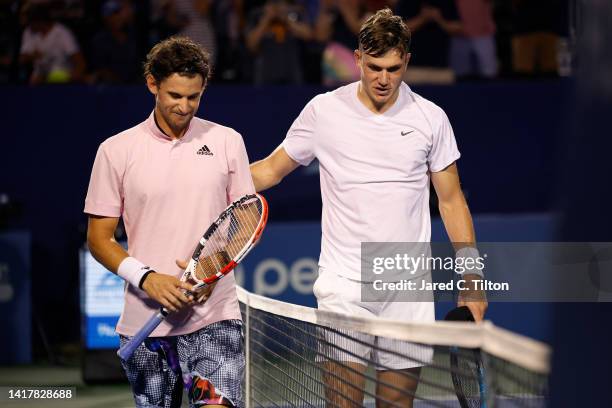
126	351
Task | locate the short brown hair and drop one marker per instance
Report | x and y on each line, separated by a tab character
179	55
382	32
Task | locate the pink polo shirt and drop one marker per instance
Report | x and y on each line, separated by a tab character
168	192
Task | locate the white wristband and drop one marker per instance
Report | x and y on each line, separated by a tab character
132	270
472	261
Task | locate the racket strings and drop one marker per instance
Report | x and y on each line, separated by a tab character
467	379
230	238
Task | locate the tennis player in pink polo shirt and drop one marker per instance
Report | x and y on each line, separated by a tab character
168	178
379	145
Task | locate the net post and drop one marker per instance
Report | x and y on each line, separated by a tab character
247	353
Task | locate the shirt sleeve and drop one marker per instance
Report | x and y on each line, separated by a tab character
105	194
444	151
299	142
240	181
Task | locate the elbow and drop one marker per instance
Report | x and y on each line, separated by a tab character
95	243
89	238
444	209
452	204
455	211
92	244
275	179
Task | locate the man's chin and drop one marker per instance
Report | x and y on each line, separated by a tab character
380	99
178	127
182	121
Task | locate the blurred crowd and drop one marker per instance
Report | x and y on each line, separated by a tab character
278	41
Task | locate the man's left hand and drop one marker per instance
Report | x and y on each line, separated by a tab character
202	294
474	299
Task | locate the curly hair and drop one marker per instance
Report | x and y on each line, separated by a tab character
382	32
179	55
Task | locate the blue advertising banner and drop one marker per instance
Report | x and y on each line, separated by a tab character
15	298
101	303
284	265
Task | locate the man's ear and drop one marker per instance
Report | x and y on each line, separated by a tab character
152	84
357	55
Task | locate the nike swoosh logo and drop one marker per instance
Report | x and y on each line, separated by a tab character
407	133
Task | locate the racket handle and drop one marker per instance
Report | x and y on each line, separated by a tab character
126	351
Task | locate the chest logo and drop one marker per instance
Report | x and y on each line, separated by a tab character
205	151
406	133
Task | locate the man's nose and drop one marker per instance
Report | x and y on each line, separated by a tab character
383	77
184	105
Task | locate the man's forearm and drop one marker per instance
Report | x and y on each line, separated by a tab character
451	27
263	176
301	30
458	222
108	252
415	23
270	171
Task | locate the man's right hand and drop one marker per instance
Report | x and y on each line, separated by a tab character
168	291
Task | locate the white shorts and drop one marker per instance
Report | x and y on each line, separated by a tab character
338	294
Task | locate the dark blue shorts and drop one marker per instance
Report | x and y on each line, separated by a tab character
209	363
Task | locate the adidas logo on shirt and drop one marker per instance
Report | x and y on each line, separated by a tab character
204	150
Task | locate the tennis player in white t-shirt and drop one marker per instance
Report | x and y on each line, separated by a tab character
378	145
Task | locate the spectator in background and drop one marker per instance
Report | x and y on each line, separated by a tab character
196	23
504	29
164	22
337	25
372	6
49	48
432	23
9	29
189	18
311	8
274	35
473	50
535	39
229	27
115	56
80	16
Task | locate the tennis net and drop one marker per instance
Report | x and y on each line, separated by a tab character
302	357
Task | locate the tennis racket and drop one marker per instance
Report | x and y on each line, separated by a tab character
467	370
224	244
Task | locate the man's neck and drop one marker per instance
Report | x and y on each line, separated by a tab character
368	103
165	128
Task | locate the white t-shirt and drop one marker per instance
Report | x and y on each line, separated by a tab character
56	48
374	169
